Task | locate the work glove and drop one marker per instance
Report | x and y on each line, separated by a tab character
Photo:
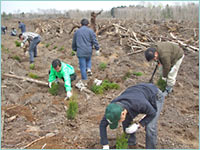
69	94
165	79
97	53
50	83
22	45
133	128
105	146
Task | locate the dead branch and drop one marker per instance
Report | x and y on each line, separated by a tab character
183	44
46	136
26	79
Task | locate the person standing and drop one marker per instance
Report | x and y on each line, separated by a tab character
33	39
83	41
169	56
143	98
22	26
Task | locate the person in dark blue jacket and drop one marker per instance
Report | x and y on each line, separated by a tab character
22	26
143	98
83	41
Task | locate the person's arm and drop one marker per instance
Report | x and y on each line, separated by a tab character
94	41
150	112
66	75
103	131
166	62
74	47
52	76
25	36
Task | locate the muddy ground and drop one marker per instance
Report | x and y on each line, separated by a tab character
30	112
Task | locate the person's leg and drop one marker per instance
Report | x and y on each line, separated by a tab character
82	65
88	63
171	78
31	51
151	128
73	77
36	42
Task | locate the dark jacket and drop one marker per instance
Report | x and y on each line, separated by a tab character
138	99
83	41
169	54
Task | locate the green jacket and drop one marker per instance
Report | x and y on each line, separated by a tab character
169	54
65	72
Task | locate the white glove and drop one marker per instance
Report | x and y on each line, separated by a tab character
50	83
22	44
165	79
97	53
69	94
97	82
105	146
133	128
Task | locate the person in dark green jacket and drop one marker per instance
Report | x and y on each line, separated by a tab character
63	71
170	56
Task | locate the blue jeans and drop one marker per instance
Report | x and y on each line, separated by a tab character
151	128
84	64
33	48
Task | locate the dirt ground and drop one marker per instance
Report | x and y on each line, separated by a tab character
32	118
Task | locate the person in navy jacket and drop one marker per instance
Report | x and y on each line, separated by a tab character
143	98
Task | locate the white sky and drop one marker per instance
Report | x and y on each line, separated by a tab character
28	6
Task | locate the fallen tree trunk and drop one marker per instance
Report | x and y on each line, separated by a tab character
26	79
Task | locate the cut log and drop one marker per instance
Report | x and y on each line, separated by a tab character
26	79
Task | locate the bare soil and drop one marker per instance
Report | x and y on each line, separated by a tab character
32	113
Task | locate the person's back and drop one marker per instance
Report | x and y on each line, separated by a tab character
84	41
22	26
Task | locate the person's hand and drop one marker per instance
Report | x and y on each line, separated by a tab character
133	128
106	147
22	45
97	53
69	94
165	79
165	93
50	83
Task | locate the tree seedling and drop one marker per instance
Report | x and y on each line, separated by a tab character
127	75
73	108
54	47
34	76
102	66
161	84
32	66
18	44
54	89
47	45
61	49
137	73
106	85
16	58
122	141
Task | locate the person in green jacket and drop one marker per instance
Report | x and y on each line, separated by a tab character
63	71
169	56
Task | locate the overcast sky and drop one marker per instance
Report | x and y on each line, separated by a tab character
28	6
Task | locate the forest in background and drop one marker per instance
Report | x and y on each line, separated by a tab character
136	12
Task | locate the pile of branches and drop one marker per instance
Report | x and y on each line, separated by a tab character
148	33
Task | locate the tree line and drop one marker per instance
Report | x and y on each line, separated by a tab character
189	12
